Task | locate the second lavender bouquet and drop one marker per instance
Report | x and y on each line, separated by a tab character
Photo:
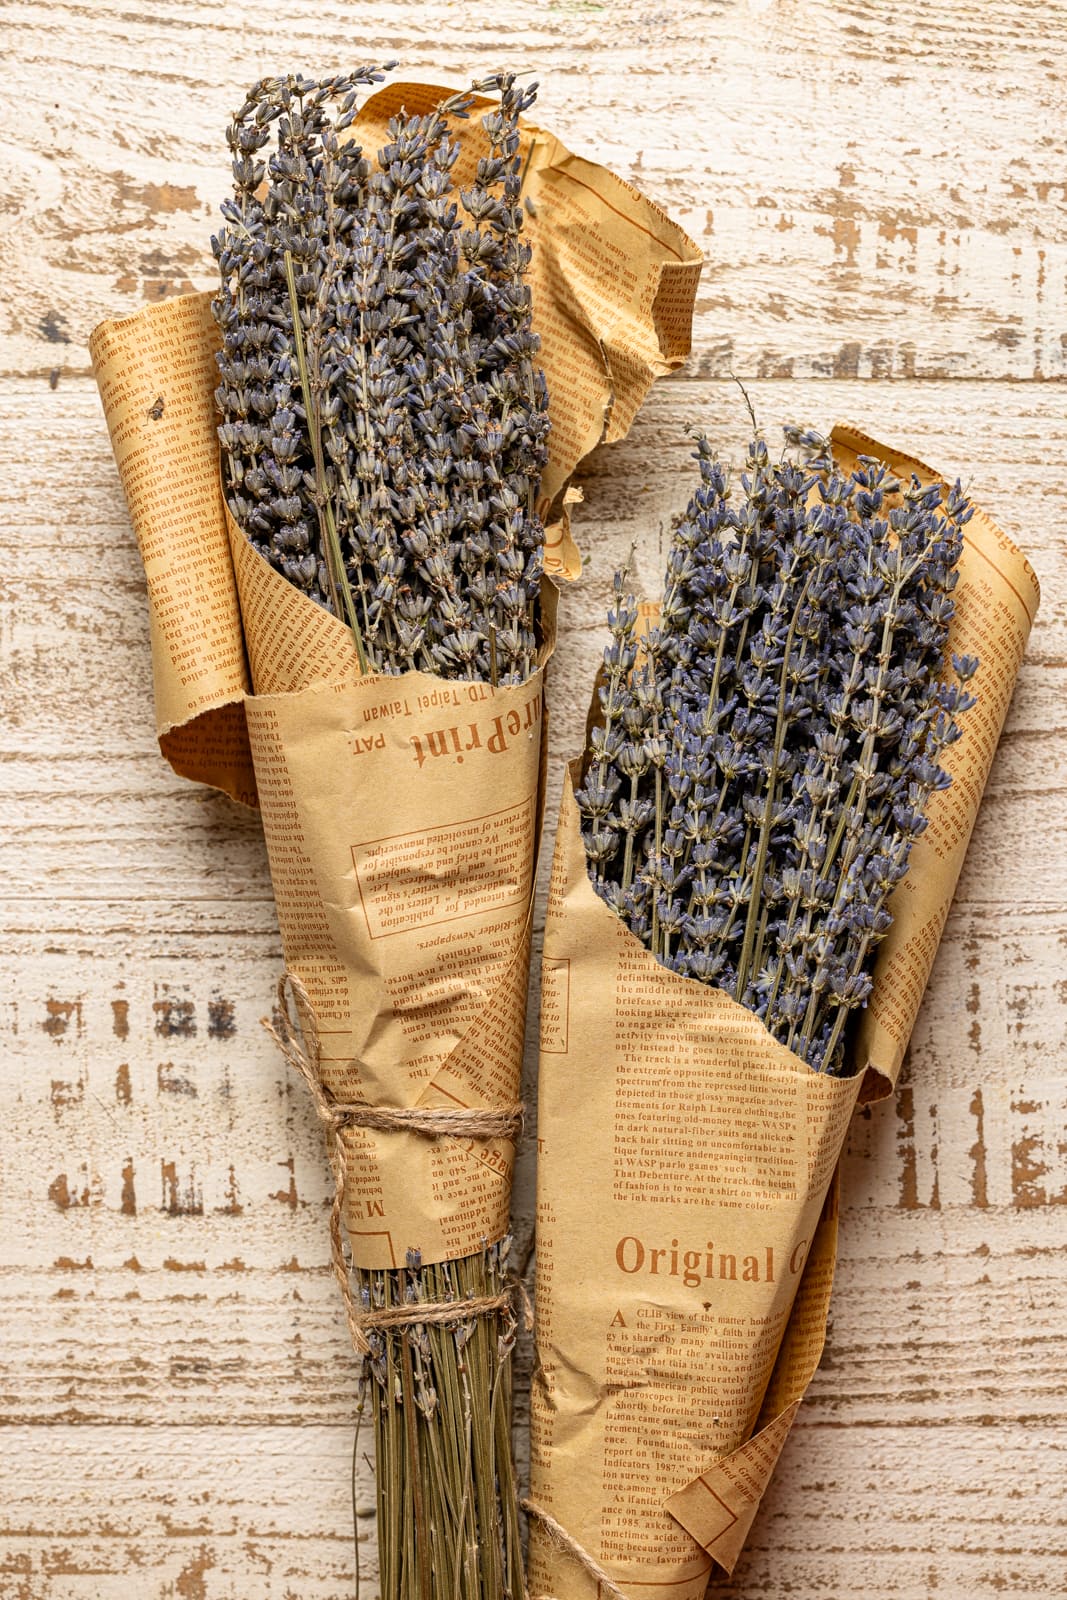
755	857
760	775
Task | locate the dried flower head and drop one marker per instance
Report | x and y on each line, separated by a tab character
384	424
766	755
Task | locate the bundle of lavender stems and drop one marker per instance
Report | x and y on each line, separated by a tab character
766	754
383	435
384	423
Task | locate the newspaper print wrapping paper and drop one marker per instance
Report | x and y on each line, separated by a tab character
687	1191
401	814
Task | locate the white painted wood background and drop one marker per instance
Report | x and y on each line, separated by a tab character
881	192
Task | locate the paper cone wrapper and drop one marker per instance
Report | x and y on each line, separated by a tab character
401	817
401	814
687	1190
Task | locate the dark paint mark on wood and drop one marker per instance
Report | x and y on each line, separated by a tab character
123	1088
175	1019
909	1181
155	290
289	1196
974	1031
167	197
935	1192
846	237
233	1206
58	1017
221	1023
773	366
846	362
53	327
65	1093
881	359
191	1583
120	1018
1027	1168
171	1081
128	1205
890	229
180	1200
979	1179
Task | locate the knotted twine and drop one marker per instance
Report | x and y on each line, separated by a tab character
299	1044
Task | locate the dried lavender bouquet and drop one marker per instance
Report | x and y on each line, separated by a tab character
768	751
758	772
384	422
383	435
351	638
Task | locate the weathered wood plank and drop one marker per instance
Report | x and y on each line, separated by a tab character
910	1512
75	626
186	1514
212	1514
879	194
141	1079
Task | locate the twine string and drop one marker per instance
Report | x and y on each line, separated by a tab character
564	1541
299	1043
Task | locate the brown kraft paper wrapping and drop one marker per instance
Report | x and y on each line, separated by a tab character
401	814
687	1189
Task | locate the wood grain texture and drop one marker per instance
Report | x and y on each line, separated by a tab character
881	196
880	190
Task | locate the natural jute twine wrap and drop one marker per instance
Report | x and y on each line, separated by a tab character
608	1590
298	1042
